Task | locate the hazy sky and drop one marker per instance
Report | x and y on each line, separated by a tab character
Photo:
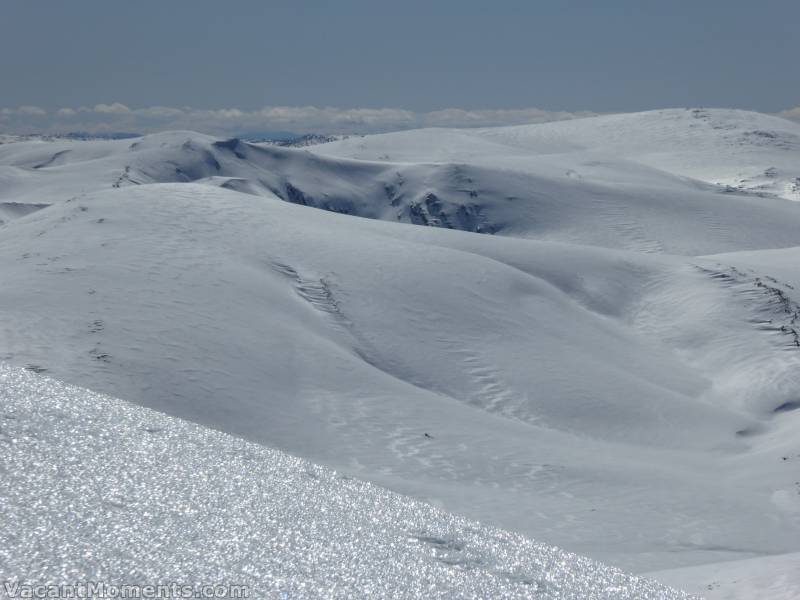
559	55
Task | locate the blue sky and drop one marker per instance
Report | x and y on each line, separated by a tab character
563	56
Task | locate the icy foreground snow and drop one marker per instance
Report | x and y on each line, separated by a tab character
98	489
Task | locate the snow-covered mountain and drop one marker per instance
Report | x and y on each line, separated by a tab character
128	496
615	371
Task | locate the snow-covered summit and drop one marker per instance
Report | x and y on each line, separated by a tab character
95	489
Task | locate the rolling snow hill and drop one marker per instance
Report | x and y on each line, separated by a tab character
615	371
734	149
129	496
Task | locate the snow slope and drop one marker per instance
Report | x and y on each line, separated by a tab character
128	496
614	372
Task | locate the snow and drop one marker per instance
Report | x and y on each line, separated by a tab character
612	372
741	149
773	577
99	489
549	376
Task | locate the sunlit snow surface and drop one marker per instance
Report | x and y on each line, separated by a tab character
96	489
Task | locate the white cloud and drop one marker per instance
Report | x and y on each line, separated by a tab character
112	109
159	112
24	111
228	121
791	113
457	117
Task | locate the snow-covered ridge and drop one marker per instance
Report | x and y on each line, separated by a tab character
128	496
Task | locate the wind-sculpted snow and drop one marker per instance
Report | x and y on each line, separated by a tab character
95	489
